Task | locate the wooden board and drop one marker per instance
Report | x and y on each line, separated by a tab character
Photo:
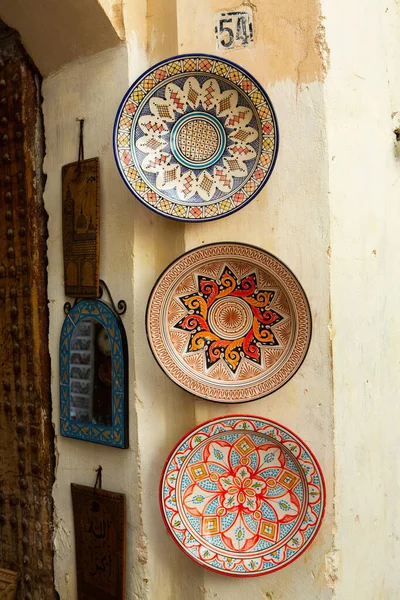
81	227
26	432
8	584
100	540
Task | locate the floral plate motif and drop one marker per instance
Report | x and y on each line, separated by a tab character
242	495
228	322
195	138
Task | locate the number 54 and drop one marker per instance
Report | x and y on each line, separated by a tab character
234	30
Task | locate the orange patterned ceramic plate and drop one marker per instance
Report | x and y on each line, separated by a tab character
242	495
228	322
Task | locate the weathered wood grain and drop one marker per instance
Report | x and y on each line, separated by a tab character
81	227
26	433
100	542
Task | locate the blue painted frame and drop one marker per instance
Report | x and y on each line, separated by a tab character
117	435
120	108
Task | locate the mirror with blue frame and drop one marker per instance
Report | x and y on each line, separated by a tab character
94	374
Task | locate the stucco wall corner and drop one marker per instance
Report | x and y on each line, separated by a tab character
322	45
332	563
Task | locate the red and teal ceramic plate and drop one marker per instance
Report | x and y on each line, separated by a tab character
228	322
242	495
195	138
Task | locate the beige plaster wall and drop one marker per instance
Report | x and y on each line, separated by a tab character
333	192
91	89
290	218
289	36
56	32
163	409
114	11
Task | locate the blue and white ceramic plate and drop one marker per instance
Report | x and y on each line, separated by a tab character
195	138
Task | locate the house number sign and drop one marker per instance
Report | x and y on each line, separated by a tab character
234	29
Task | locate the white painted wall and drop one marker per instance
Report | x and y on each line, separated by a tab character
362	91
333	193
136	245
290	217
90	89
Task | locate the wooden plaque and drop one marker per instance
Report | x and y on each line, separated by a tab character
81	227
100	540
8	584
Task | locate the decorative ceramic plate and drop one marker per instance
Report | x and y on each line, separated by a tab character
195	137
228	322
242	495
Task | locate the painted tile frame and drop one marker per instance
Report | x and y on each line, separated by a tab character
117	434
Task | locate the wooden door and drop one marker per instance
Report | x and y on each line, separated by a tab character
26	433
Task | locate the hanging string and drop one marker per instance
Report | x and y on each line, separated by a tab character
98	482
80	150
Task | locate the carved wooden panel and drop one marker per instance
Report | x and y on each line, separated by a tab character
81	231
26	433
8	584
100	525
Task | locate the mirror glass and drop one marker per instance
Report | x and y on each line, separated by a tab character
90	372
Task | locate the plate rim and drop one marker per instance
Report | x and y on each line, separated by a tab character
122	103
249	418
236	244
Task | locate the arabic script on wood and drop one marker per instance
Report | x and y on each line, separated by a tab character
100	542
81	230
